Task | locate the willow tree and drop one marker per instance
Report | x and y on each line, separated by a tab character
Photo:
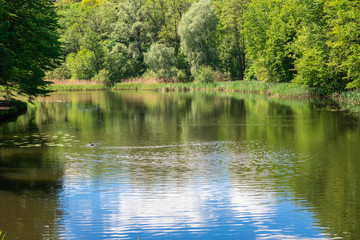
197	30
28	44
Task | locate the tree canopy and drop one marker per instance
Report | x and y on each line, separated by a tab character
29	45
311	43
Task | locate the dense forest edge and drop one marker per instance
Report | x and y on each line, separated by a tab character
277	47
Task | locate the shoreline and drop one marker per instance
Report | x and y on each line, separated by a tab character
14	108
10	110
280	90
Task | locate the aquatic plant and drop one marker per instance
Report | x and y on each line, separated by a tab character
272	89
2	236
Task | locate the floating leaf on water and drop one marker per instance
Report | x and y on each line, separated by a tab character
60	145
37	145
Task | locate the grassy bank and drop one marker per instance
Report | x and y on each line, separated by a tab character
9	110
272	89
76	85
348	96
285	90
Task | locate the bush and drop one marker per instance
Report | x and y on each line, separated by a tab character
161	60
102	76
82	64
60	73
221	77
205	75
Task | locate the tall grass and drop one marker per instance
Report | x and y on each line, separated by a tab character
274	89
76	85
2	236
348	96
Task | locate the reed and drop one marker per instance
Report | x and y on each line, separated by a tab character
2	235
348	96
76	85
273	89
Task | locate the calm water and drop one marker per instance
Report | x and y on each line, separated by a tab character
179	166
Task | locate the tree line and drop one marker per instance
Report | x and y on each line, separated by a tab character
315	43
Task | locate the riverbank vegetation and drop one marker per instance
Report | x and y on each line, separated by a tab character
12	108
29	46
271	89
309	47
76	85
305	43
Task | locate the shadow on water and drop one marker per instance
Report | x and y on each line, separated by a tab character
30	182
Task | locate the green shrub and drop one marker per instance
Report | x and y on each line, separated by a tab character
102	76
161	60
82	64
205	75
60	73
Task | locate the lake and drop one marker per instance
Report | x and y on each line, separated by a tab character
180	166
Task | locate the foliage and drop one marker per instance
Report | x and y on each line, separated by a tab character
272	89
168	33
131	35
82	64
161	60
102	76
270	27
29	45
344	40
60	73
309	43
231	41
205	75
2	235
197	30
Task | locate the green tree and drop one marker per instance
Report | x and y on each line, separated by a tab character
270	28
86	26
29	41
231	46
311	52
168	33
344	40
131	35
197	30
161	60
82	64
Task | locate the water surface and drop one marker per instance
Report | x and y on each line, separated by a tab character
180	166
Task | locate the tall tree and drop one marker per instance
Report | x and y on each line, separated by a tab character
270	28
344	39
169	32
30	40
231	44
311	53
132	35
197	30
